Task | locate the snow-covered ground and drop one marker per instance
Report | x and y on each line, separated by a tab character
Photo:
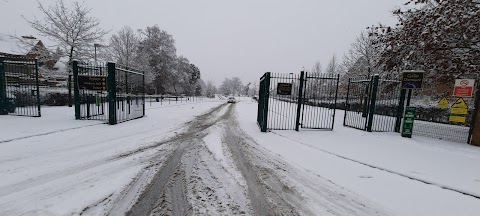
418	176
210	158
64	166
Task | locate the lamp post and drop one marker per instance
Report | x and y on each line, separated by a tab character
95	45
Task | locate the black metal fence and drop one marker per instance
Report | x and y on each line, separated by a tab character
171	99
129	93
108	92
433	121
376	104
292	101
19	87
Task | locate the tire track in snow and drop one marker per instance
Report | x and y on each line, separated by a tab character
48	133
154	191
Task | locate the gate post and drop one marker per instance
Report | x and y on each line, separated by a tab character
346	103
373	101
265	103
3	88
76	91
300	100
335	103
401	106
112	94
37	82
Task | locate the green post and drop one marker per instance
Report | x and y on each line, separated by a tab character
143	89
300	100
401	106
371	112
112	94
347	105
76	91
335	103
265	104
37	82
3	88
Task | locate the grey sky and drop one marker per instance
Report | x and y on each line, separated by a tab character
235	38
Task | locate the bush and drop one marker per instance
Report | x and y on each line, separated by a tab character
55	99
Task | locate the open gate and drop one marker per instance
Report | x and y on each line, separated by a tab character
374	104
292	101
19	87
108	92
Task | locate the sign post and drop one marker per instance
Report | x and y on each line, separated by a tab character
408	118
410	80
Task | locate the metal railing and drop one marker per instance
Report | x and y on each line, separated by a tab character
19	87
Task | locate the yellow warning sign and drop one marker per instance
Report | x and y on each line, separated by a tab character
459	111
459	119
443	103
460	103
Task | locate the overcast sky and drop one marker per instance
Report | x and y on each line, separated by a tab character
226	38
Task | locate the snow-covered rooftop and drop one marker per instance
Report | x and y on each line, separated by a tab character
15	46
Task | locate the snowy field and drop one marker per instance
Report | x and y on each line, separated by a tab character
210	158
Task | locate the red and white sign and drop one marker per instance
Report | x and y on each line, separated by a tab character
464	87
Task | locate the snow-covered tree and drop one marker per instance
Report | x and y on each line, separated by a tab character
157	51
211	90
70	26
123	47
231	86
441	37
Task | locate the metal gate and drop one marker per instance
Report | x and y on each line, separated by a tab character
292	101
19	87
108	92
374	104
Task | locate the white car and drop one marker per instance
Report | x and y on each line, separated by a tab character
231	100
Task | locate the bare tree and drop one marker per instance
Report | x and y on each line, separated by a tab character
72	28
333	66
317	68
123	46
360	59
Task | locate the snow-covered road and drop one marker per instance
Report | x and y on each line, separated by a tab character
209	158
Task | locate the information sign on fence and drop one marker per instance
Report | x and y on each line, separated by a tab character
443	103
412	79
284	88
408	119
458	108
463	87
96	83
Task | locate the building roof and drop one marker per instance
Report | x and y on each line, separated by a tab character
16	46
61	64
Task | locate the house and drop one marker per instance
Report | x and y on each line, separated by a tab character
26	47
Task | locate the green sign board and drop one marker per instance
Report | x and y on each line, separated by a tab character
408	118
